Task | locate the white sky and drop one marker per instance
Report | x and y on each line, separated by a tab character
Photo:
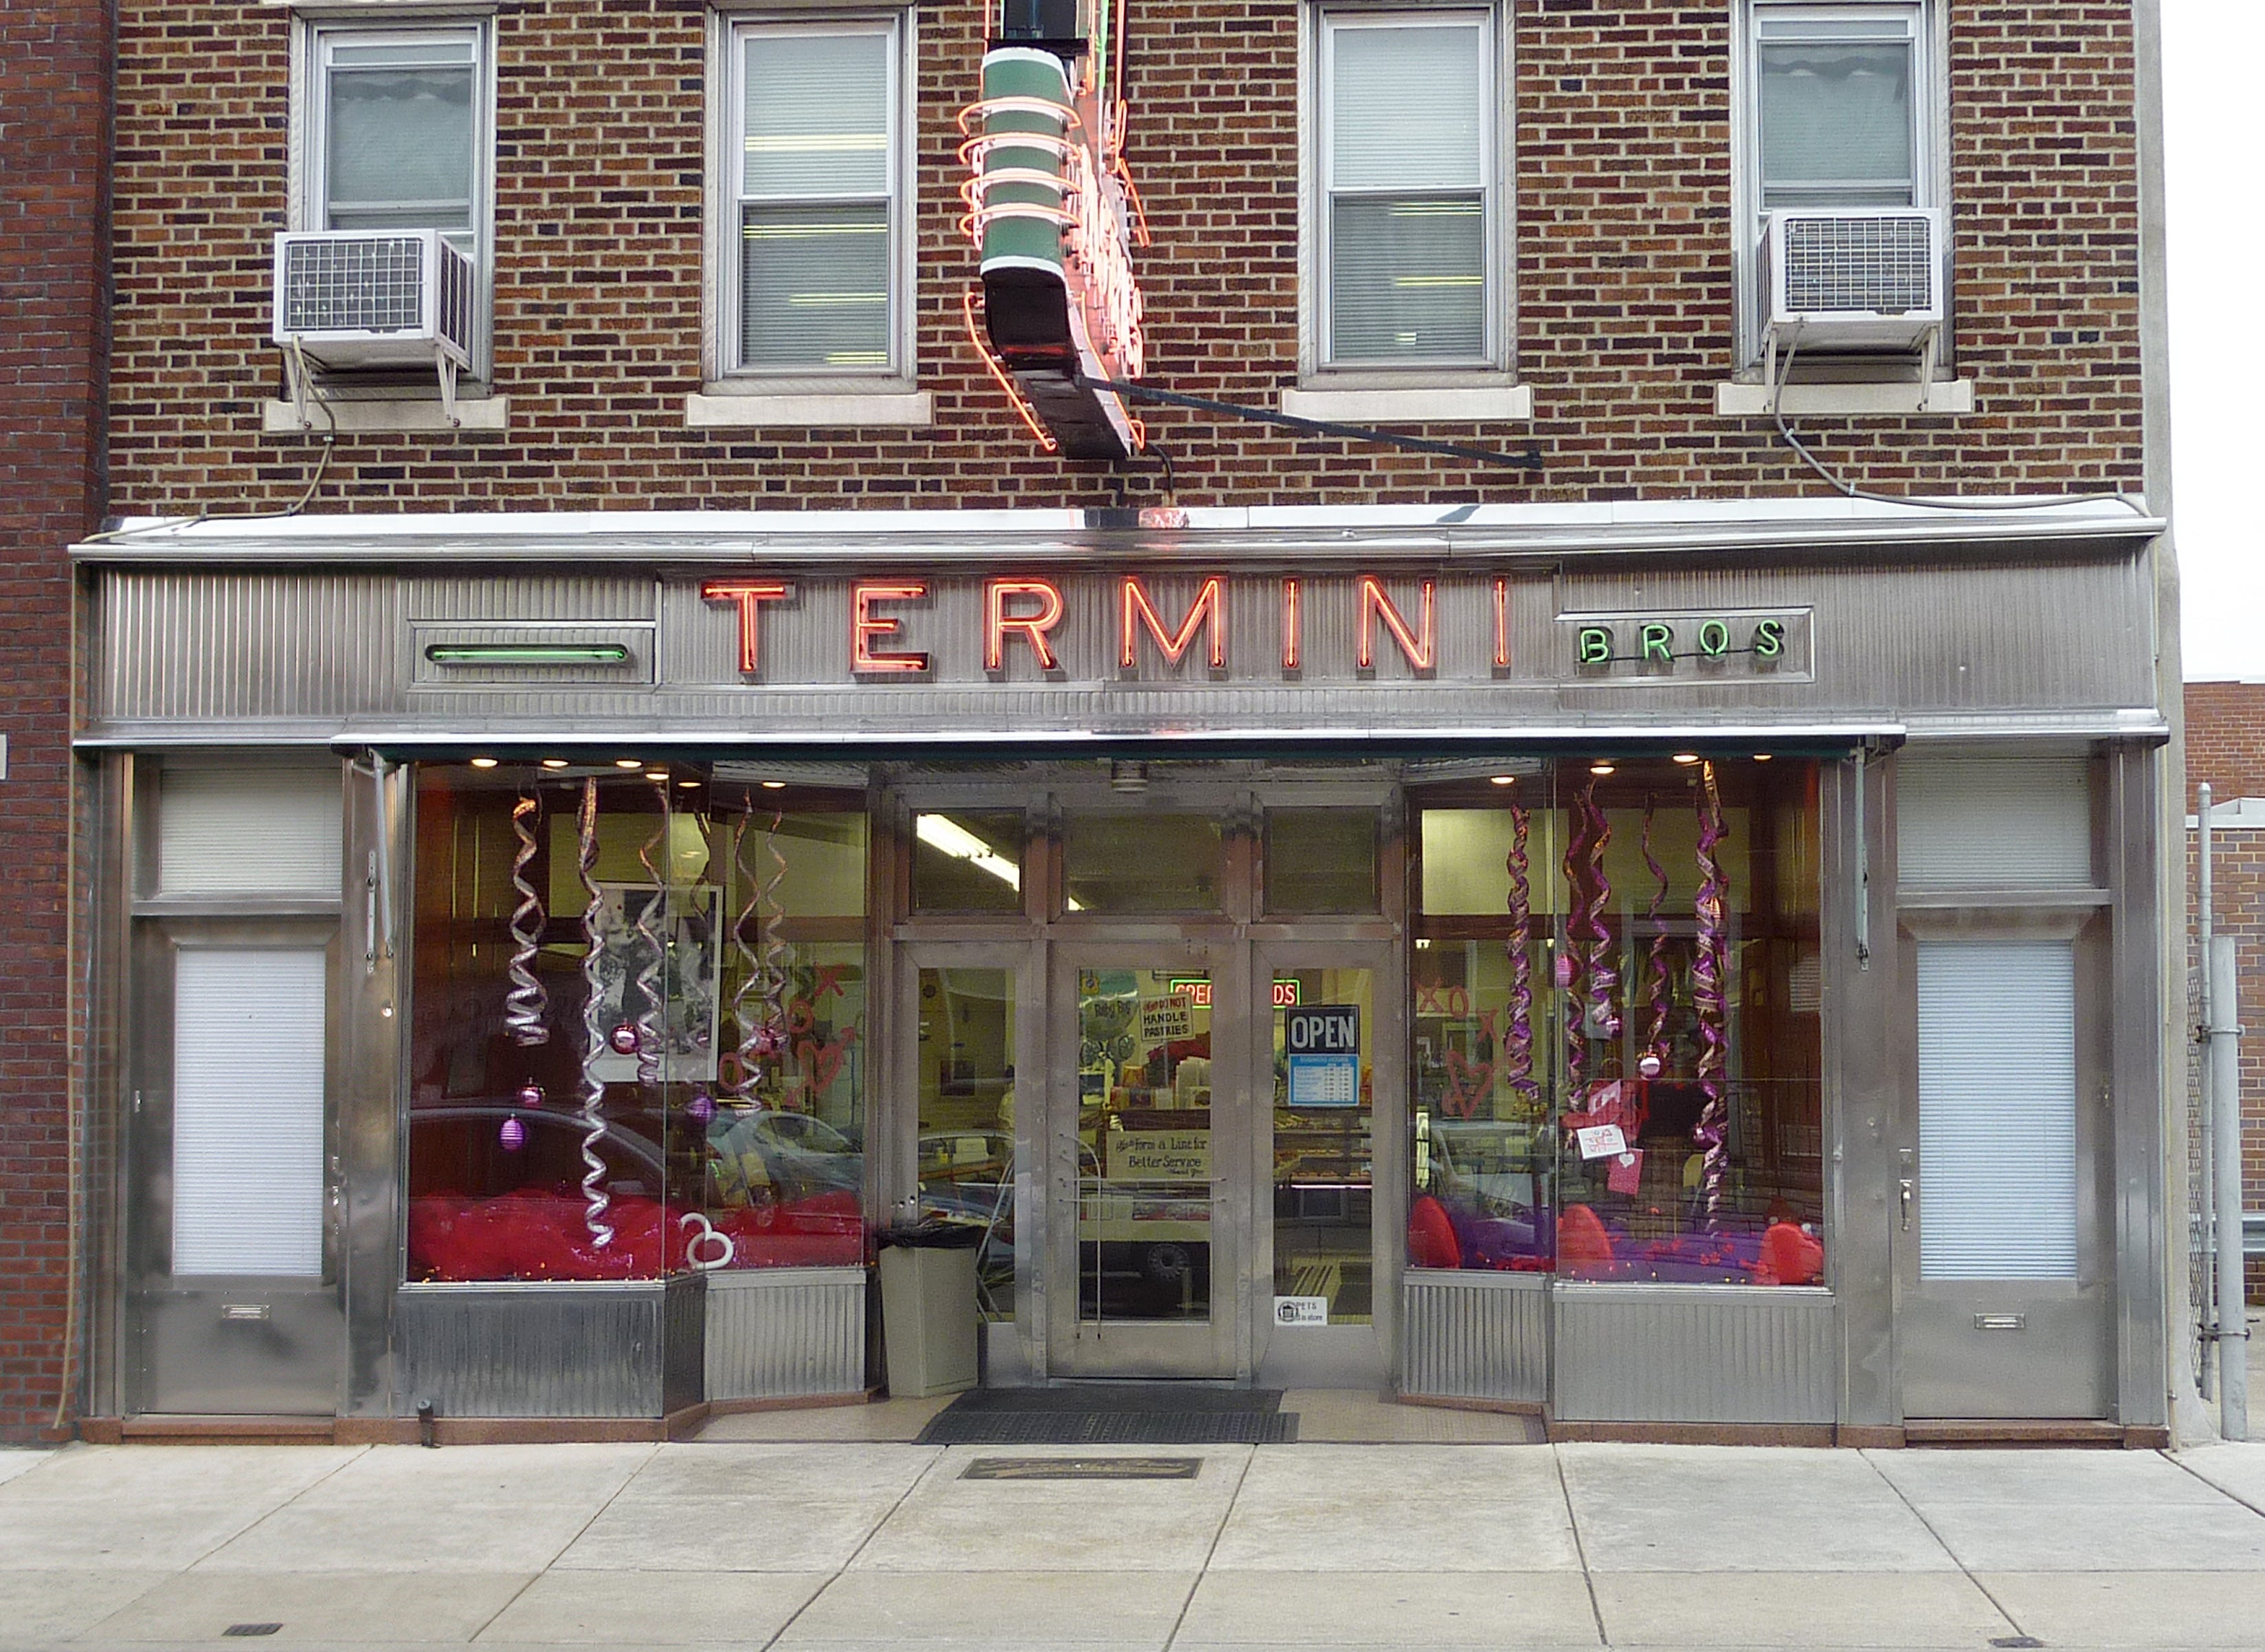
2210	49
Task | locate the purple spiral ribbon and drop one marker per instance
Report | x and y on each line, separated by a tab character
1655	1036
594	1041
525	1005
1602	976
1518	1046
1706	988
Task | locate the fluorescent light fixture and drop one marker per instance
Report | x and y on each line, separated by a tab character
947	836
526	653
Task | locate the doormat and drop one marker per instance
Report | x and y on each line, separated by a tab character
1114	1414
1083	1468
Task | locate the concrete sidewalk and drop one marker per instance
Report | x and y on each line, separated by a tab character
855	1546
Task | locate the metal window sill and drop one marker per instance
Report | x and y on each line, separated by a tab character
718	410
374	416
1941	398
1440	403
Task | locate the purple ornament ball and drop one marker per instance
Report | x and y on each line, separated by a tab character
530	1096
512	1135
701	1107
1648	1065
624	1039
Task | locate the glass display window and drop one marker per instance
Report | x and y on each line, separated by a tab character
637	1025
1619	1066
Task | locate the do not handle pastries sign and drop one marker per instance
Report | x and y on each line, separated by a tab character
1324	1044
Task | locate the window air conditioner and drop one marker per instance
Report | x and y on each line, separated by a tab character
390	298
1856	278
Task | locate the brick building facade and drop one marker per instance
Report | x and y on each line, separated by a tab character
53	61
425	699
2225	751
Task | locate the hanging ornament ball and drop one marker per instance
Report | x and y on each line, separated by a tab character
767	1041
701	1107
530	1095
624	1039
1565	969
512	1135
1648	1065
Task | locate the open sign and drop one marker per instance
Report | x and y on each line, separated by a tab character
1323	1030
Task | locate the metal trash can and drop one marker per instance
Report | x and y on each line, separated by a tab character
928	1308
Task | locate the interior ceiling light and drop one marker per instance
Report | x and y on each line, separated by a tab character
656	774
483	762
774	785
554	762
629	762
1686	756
1600	768
1761	757
946	835
1505	780
688	783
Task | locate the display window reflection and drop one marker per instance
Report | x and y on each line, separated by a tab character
637	1025
1619	1064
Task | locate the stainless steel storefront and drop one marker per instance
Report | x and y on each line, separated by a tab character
1117	822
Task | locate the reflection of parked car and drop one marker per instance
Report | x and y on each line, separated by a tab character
551	1145
789	1153
968	1175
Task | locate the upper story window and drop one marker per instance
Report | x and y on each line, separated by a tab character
814	177
1842	108
1838	95
1407	193
395	133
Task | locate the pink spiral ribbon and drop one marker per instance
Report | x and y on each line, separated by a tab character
1572	975
594	1042
1655	1036
525	1005
1602	976
1706	989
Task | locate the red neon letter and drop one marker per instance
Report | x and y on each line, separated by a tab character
865	626
750	595
1502	625
1289	625
997	622
1134	604
1375	605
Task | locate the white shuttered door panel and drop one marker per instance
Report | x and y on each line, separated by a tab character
1993	822
250	832
1997	1109
249	1194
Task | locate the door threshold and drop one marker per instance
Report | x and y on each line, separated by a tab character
188	1429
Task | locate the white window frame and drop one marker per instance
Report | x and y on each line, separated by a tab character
1494	368
726	374
1929	23
310	188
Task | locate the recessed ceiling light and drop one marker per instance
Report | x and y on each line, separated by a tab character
1505	780
483	762
1761	757
629	762
554	762
774	785
1685	757
688	783
1600	768
656	774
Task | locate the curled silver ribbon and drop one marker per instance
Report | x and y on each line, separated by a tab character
1708	969
1518	1044
526	1005
1654	1037
594	1046
652	956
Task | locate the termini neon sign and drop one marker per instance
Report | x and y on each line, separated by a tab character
1401	625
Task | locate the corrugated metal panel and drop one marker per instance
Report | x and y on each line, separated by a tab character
493	595
1689	1354
781	1331
1475	1336
207	646
543	1350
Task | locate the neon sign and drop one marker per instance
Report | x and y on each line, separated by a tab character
1053	215
1197	990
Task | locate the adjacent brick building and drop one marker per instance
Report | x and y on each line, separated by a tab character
2225	750
54	78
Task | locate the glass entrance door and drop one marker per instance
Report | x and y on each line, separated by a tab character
1149	1178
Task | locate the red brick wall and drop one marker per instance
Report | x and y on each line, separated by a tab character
2225	749
1623	194
54	92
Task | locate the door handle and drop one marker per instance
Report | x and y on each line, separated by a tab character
1904	1196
